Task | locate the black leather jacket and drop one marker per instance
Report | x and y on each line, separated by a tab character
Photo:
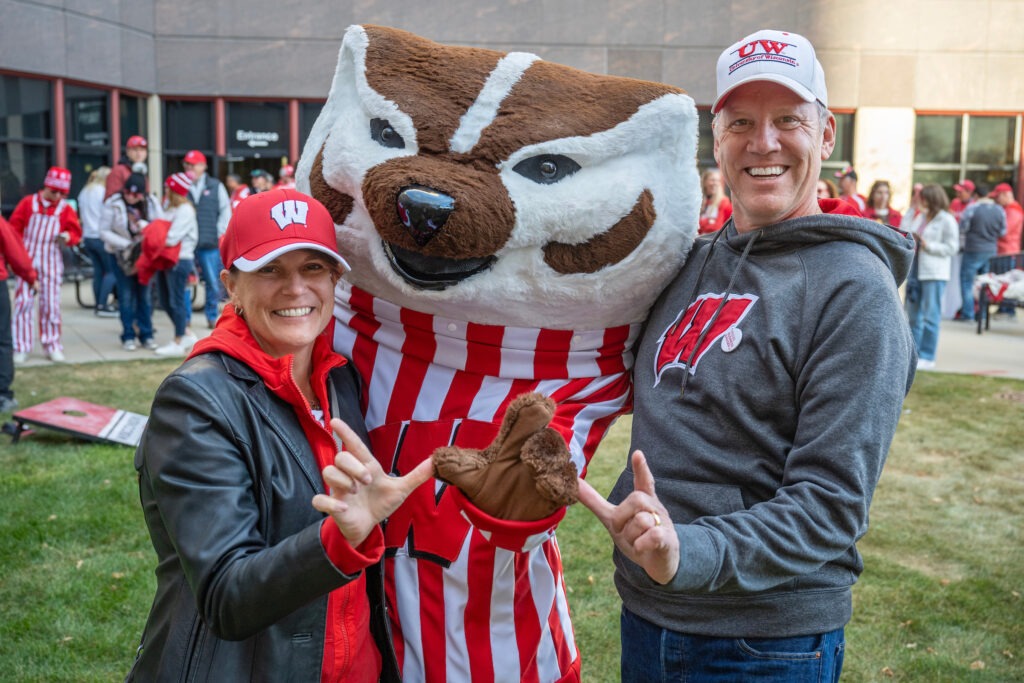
242	577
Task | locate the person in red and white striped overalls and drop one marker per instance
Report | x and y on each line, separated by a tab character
45	222
473	598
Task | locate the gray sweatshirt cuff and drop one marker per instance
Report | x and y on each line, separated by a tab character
698	559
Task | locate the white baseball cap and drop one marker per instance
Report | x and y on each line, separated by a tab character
778	56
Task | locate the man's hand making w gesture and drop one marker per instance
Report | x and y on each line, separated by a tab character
640	525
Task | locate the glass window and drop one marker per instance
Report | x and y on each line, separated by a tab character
842	154
22	170
705	140
308	112
26	137
26	108
951	148
133	118
188	124
937	139
991	140
87	125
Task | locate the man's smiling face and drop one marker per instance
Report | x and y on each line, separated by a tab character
769	144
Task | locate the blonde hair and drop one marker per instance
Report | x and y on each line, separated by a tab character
98	176
174	199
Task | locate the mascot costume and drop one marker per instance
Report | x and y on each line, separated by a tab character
509	223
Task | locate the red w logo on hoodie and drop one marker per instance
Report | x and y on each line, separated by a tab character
677	343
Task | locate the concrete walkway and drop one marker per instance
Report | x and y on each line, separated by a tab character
999	352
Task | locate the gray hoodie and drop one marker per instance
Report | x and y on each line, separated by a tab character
768	458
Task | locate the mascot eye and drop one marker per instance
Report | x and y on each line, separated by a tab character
546	168
385	135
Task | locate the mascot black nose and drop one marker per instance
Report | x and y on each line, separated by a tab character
423	211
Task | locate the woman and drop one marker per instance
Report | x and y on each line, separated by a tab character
938	239
172	283
90	207
878	208
253	581
827	189
715	207
125	214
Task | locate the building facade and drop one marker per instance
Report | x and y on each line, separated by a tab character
923	90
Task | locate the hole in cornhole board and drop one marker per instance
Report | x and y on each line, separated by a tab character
83	420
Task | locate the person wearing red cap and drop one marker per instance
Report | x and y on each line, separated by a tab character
213	210
286	178
964	196
227	468
171	283
1010	243
136	149
848	188
736	520
46	223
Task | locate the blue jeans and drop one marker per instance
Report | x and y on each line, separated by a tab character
173	297
973	263
652	654
103	266
209	264
135	307
925	315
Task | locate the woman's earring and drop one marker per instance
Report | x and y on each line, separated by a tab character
238	309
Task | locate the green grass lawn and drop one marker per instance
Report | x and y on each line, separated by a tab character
940	599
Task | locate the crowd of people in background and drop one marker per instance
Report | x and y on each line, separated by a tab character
955	240
134	242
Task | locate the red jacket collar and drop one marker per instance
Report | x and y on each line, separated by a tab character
233	338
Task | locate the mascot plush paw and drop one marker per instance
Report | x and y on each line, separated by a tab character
509	223
525	474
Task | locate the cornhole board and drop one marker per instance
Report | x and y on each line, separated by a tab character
82	419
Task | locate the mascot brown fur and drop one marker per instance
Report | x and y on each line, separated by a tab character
509	223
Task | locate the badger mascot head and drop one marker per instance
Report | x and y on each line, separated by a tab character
500	188
509	222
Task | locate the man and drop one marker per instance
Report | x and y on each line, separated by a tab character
1010	243
239	190
286	178
981	226
768	387
213	211
261	181
134	159
964	196
848	188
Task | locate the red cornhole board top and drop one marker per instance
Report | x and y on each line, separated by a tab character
85	420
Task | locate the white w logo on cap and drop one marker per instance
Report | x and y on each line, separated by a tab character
289	212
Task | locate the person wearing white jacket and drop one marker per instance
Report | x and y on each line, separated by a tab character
122	219
938	240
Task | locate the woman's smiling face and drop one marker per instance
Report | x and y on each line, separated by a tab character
287	302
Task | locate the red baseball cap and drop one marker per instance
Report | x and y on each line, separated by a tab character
136	141
58	179
967	185
194	156
269	224
999	189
